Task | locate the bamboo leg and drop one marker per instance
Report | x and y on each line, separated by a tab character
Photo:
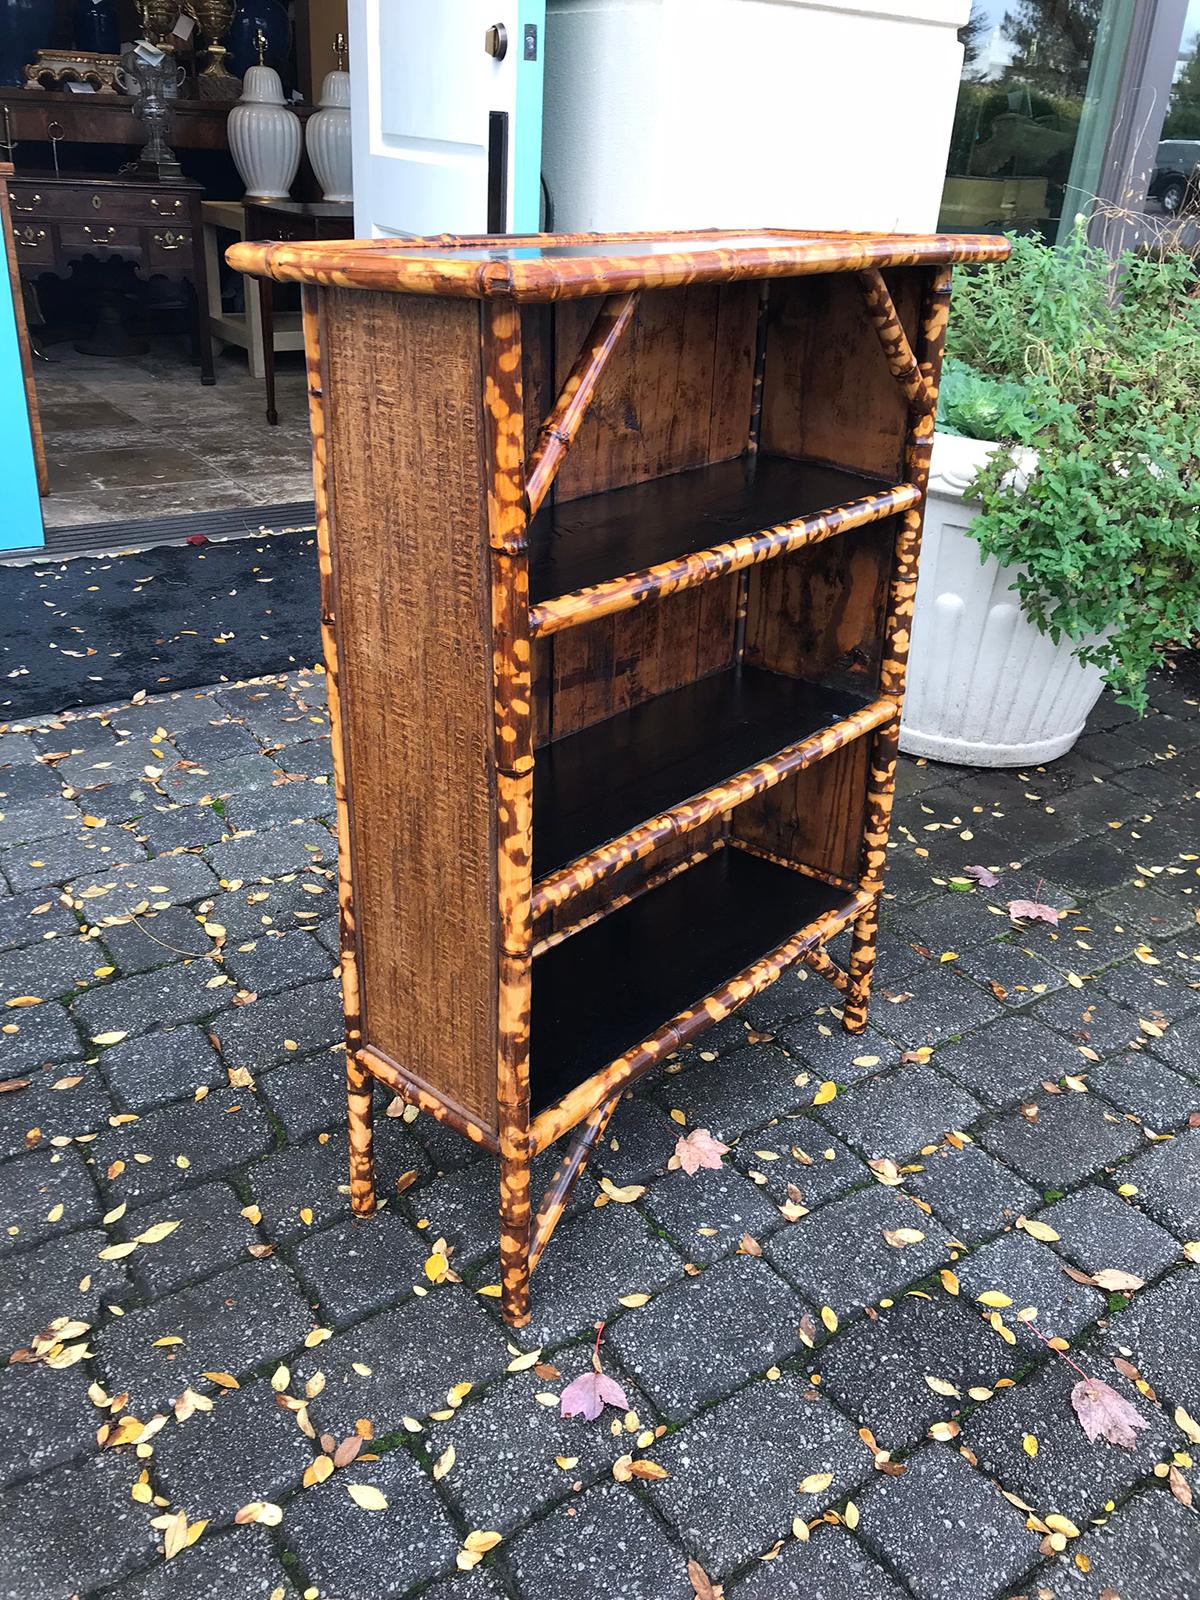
570	1169
359	1095
922	389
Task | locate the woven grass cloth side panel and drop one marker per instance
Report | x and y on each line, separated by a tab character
403	401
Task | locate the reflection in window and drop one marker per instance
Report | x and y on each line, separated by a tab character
1175	182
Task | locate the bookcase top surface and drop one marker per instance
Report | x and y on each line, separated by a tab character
572	266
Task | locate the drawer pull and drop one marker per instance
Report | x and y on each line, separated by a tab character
30	237
36	200
99	235
170	240
97	202
165	208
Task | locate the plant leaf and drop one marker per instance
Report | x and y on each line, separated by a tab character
588	1395
1104	1414
982	875
1032	911
699	1149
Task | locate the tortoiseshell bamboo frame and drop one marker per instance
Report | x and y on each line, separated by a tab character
517	483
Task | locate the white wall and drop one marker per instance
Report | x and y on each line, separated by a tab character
743	113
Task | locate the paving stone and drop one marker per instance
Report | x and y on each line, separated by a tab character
791	995
479	1584
72	1530
178	993
1031	1274
169	713
1156	1333
126	758
1088	1017
951	922
174	879
637	1144
361	1264
1073	1137
30	1118
254	1036
1008	1059
311	757
809	1158
240	1565
212	1234
1148	1550
578	1550
828	1051
729	1506
941	1006
165	828
315	1177
216	741
1097	1229
17	749
329	932
838	1257
230	1323
296	901
876	1370
896	1114
28	919
53	968
708	1212
48	1419
219	779
28	785
1086	870
279	963
463	1206
275	851
54	860
505	1472
971	1192
277	721
705	1335
592	1260
167	1064
308	1095
42	1183
246	1448
1069	1474
41	1284
156	939
415	1353
352	1554
895	960
1148	991
736	1092
946	1530
1094	806
274	808
1136	1081
1180	1045
1168	1183
831	1565
1081	946
210	1136
1146	911
1012	974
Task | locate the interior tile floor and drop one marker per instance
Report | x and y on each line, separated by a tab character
140	437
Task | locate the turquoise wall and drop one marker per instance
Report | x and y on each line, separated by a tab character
20	508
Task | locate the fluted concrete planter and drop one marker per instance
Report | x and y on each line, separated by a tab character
985	688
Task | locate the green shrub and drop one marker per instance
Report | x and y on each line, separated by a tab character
1105	386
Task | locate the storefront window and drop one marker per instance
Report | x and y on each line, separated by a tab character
1175	182
1040	80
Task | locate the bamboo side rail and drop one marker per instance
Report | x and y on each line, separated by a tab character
570	1168
901	362
561	1117
557	433
668	577
557	888
436	1102
654	880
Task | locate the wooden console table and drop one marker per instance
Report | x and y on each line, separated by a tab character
60	219
618	546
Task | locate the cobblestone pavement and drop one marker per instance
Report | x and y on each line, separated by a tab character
802	1345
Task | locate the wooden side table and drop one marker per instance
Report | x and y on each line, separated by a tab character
280	221
61	219
241	328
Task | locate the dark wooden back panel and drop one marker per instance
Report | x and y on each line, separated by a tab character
827	391
403	404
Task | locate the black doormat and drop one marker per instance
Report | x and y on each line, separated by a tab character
94	631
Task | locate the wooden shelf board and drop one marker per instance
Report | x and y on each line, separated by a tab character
595	786
615	983
599	537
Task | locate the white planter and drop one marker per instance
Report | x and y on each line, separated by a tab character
328	138
264	137
985	688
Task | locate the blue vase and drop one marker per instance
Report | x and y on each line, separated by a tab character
96	26
272	17
24	30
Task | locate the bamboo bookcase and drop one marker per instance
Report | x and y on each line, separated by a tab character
618	542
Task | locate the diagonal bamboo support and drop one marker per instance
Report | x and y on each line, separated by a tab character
902	364
557	433
570	1168
823	964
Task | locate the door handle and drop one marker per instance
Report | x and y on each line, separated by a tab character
497	176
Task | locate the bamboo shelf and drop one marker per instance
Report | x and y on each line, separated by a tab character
618	542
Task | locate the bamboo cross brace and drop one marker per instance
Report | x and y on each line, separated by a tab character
823	964
902	364
569	1170
557	433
